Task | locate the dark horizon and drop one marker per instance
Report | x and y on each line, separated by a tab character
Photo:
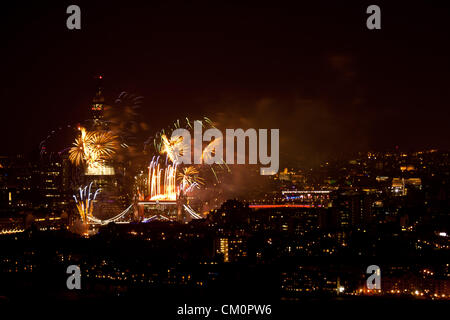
314	71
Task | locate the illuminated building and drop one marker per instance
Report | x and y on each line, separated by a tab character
309	280
102	173
104	168
16	183
284	175
232	246
398	186
223	249
352	209
97	106
50	183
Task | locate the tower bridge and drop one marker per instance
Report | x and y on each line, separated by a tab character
145	211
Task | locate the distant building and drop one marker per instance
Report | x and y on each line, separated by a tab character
16	183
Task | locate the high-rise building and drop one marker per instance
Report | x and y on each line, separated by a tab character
50	174
103	175
97	106
15	183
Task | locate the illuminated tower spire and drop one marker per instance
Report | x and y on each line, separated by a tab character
98	101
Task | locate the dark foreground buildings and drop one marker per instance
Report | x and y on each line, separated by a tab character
311	240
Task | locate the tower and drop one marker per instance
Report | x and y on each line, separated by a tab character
97	106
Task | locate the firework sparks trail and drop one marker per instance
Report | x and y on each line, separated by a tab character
189	179
104	144
173	148
85	202
161	182
162	142
191	211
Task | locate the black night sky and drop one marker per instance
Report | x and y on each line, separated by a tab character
313	70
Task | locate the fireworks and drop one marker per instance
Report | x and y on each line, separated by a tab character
76	153
81	150
189	179
161	184
104	144
93	147
173	148
160	140
85	202
164	183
